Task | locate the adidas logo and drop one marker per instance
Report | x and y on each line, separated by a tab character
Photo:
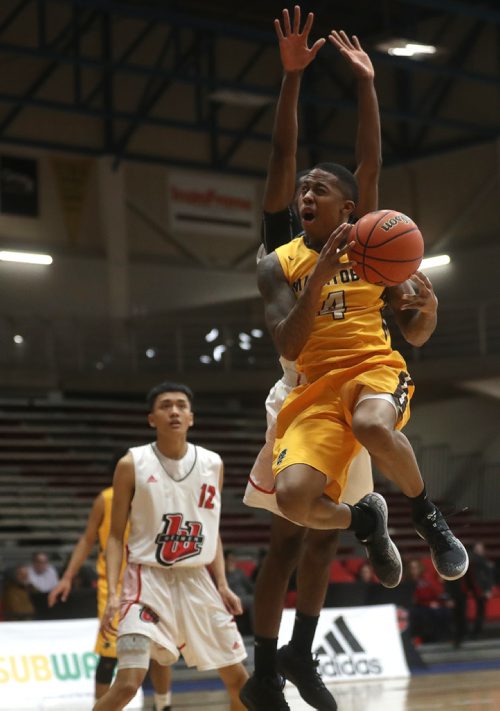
152	479
340	643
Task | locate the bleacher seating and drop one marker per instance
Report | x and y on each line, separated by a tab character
56	454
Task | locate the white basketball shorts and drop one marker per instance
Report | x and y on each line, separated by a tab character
181	612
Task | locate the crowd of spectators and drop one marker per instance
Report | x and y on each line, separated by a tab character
437	609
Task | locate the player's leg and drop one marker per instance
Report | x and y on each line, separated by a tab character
104	675
374	425
295	660
234	678
133	651
264	688
300	496
161	679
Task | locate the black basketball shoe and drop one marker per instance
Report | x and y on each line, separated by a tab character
381	550
303	672
264	694
448	555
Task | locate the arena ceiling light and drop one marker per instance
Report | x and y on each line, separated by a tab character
440	260
25	257
407	48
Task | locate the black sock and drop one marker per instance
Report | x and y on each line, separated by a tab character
363	521
265	656
303	633
420	505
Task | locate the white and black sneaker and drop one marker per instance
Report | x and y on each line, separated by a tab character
448	555
381	550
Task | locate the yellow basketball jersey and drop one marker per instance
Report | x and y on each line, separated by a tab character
103	533
349	326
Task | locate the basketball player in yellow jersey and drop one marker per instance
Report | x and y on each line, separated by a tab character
358	389
292	547
98	528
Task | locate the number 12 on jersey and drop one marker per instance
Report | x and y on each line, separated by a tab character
207	497
334	304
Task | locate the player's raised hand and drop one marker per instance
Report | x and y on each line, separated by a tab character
294	50
329	263
63	588
425	300
353	53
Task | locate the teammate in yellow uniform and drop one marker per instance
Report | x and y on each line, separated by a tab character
97	529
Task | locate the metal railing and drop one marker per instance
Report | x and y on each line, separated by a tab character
184	343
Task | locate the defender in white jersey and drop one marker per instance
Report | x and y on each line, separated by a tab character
170	492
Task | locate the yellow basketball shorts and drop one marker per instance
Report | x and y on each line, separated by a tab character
314	424
105	647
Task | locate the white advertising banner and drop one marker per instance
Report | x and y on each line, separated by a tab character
49	665
210	204
354	643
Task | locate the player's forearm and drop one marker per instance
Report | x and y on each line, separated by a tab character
368	141
280	184
80	554
285	130
114	556
291	333
217	566
420	328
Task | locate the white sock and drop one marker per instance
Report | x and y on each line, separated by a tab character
162	700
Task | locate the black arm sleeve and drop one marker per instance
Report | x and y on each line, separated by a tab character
279	228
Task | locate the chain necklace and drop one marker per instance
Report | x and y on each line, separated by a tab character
159	456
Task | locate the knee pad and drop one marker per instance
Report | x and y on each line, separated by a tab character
133	651
104	670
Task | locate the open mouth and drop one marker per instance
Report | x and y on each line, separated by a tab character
307	216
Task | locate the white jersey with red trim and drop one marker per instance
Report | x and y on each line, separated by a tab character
175	511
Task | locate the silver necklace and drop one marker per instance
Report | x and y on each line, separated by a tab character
159	457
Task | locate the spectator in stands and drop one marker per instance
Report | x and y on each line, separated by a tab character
41	574
365	574
16	597
480	582
430	611
241	585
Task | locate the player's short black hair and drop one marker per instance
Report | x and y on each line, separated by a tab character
347	180
168	387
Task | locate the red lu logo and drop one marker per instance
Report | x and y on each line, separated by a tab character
177	542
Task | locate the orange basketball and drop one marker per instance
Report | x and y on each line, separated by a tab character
389	247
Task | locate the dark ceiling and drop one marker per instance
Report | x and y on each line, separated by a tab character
130	69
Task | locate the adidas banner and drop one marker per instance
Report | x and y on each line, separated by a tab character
49	665
355	642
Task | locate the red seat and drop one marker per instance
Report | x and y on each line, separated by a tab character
339	573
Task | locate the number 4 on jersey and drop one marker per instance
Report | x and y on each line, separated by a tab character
334	304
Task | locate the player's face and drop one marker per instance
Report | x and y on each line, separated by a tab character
321	204
171	413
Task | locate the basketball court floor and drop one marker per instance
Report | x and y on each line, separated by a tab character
458	691
468	691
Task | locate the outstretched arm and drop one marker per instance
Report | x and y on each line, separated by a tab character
123	492
288	319
80	553
295	56
414	304
368	140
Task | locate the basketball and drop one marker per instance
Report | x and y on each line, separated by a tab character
388	247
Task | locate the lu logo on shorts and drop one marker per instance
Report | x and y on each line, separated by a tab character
281	457
148	615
